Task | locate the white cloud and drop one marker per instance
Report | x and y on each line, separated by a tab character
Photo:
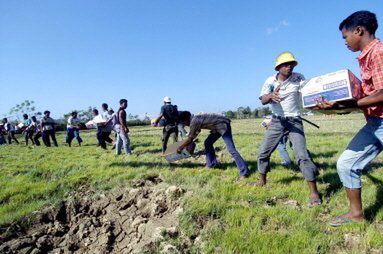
281	24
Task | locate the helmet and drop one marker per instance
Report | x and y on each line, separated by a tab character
153	122
167	99
285	57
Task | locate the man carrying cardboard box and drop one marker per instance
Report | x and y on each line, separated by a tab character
282	92
358	31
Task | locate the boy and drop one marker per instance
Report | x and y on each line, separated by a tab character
358	31
48	126
107	128
121	128
2	133
73	129
219	127
37	127
28	130
97	118
282	92
170	113
10	131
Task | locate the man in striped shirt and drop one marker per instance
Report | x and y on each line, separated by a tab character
358	31
219	126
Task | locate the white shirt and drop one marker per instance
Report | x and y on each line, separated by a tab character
73	122
290	104
9	127
106	116
35	126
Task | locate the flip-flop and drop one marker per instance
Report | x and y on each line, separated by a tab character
314	202
339	221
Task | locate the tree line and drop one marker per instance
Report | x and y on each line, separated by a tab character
247	112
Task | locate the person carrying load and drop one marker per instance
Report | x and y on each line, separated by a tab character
171	115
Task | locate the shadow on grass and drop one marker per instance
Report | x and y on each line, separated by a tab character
291	179
334	182
185	165
155	151
336	185
146	144
371	211
327	154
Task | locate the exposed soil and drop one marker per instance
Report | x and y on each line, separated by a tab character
143	218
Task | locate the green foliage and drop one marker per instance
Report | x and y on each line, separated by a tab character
25	107
84	115
246	113
231	217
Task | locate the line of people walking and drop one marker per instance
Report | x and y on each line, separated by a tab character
281	91
32	130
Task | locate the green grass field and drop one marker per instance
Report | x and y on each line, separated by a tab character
237	218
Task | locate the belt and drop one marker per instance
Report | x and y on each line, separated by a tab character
285	117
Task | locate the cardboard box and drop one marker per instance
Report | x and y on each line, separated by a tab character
172	155
336	86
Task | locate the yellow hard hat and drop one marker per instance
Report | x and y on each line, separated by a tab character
285	57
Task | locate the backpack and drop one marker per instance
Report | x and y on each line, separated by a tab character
171	114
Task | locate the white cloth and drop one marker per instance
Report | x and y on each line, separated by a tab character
48	123
99	120
35	126
291	102
9	127
73	122
106	116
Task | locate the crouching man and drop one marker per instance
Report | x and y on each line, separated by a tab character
282	92
219	127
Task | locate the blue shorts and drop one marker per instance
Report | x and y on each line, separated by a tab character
363	148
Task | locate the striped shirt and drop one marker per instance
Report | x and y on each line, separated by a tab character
213	122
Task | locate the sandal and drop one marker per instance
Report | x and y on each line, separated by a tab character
314	202
339	221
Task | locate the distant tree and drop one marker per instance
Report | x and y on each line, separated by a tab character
84	115
230	114
240	112
132	117
264	111
25	107
255	113
146	117
247	112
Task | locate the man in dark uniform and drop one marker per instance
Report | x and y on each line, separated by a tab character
170	113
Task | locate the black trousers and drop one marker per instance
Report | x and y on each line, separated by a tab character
47	135
37	137
103	137
167	132
28	136
11	135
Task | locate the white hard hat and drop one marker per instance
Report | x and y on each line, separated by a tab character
167	99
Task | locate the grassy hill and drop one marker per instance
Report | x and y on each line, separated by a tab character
235	217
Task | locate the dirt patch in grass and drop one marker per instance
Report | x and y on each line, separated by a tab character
143	218
284	201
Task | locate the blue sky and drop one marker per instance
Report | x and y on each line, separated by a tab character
206	55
